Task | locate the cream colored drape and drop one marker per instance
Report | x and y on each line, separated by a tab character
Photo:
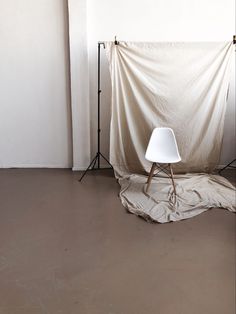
178	85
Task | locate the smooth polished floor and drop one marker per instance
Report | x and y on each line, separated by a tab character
71	248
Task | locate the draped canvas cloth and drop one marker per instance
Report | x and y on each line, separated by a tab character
178	85
196	193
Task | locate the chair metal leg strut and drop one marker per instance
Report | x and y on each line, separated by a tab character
169	174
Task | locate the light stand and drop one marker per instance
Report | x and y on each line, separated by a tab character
96	159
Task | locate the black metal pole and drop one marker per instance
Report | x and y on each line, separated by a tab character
99	94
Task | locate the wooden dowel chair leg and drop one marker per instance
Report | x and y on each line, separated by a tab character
150	175
172	178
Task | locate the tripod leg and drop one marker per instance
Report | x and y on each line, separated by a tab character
94	164
106	159
229	165
94	160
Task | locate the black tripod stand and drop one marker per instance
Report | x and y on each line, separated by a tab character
96	160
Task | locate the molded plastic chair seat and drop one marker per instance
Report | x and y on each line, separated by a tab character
162	149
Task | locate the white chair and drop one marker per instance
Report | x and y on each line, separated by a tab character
162	149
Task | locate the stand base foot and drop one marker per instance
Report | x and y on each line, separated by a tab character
95	160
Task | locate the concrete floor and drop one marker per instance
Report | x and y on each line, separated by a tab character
71	248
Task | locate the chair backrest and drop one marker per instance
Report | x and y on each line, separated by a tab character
162	146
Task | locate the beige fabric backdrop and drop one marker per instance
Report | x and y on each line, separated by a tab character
196	193
178	85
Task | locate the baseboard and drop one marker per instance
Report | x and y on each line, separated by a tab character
25	166
84	168
80	168
50	166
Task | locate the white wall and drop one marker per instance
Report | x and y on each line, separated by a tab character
35	126
79	83
35	117
157	20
